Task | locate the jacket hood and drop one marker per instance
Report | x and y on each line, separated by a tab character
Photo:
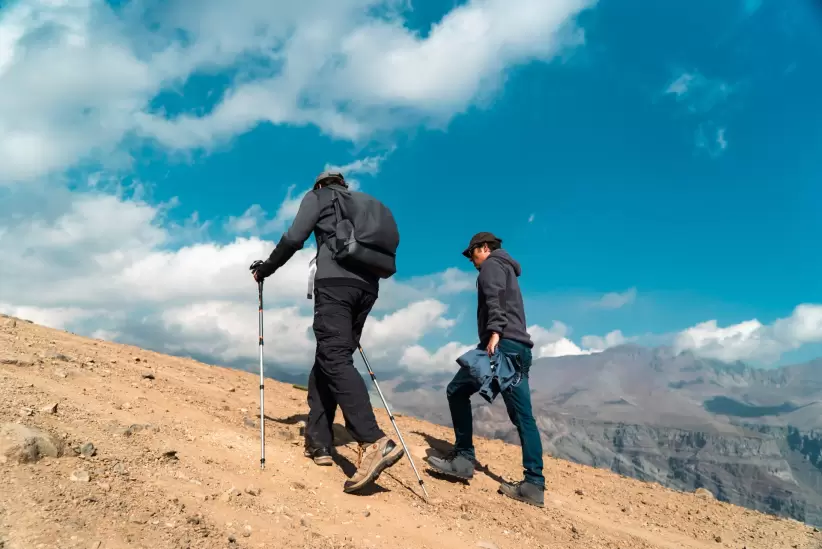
505	257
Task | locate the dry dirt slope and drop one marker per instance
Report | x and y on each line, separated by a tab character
175	464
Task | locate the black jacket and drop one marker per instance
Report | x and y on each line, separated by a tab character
316	215
499	300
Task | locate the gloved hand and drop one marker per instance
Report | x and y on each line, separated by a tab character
254	268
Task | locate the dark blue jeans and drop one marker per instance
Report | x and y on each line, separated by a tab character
517	403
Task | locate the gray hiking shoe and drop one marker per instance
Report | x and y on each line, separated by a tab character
524	491
453	465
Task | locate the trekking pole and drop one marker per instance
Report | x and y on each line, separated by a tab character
394	423
262	374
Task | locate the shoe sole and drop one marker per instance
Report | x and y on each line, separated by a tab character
523	500
449	473
388	461
324	461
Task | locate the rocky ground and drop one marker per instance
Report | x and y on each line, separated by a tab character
109	446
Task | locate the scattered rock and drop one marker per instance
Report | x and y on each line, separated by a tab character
61	374
232	539
465	516
50	409
298	485
27	444
487	545
16	361
246	531
228	494
579	492
61	357
26	412
119	469
171	454
703	493
80	475
104	486
148	375
718	539
231	390
249	422
138	518
304	522
574	530
367	514
252	490
87	450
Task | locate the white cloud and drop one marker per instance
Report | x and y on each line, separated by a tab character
711	139
751	340
79	79
697	92
599	344
111	274
417	359
531	218
615	300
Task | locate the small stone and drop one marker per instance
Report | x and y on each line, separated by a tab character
465	516
246	531
138	518
96	545
231	390
718	539
148	375
252	490
579	492
27	444
703	493
104	486
232	539
60	373
228	494
80	476
249	422
244	410
50	409
367	514
170	454
120	469
298	485
304	522
574	530
88	450
26	412
487	545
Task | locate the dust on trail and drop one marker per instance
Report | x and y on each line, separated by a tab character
155	451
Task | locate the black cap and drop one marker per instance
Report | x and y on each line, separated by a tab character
479	239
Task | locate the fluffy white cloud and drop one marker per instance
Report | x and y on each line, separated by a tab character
418	359
103	267
80	79
751	340
615	300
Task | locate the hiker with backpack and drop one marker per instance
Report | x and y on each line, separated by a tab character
504	342
356	240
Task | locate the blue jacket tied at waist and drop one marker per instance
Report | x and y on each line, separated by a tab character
494	374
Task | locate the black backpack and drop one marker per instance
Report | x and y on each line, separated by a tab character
367	235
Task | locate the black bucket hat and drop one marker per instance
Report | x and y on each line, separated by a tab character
478	240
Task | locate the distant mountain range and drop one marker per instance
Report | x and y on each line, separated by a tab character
751	436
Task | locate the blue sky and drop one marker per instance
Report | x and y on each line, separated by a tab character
667	156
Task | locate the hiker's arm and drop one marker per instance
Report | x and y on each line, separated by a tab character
492	283
294	238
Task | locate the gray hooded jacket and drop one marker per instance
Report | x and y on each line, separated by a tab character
499	301
316	215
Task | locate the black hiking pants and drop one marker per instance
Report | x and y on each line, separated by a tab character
339	316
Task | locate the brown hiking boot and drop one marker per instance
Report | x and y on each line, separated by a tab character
373	459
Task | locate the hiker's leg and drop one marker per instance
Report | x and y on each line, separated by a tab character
336	311
518	404
459	393
321	411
